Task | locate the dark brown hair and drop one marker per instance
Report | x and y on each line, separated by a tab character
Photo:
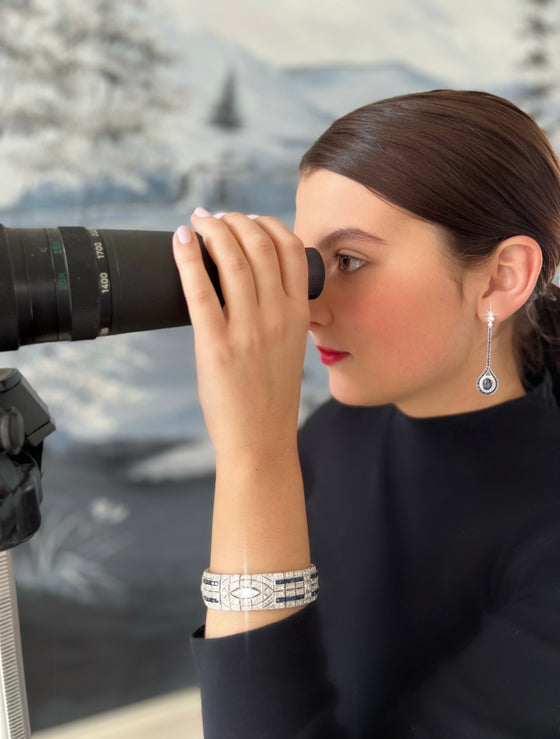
474	164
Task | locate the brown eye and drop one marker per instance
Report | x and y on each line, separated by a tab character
346	263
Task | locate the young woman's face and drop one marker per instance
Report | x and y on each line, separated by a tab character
392	324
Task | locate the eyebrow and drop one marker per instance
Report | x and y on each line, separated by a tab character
329	241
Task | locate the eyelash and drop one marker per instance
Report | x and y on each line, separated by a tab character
342	257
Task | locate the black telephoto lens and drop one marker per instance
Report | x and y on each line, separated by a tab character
71	283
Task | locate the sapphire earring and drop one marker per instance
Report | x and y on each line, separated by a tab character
487	383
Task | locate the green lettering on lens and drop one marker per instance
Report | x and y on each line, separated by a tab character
57	247
62	282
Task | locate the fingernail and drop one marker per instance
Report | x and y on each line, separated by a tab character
219	215
252	216
184	235
202	212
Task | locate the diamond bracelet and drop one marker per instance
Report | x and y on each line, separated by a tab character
260	592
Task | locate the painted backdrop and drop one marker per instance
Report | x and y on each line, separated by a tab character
129	115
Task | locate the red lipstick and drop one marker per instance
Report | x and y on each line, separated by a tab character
331	356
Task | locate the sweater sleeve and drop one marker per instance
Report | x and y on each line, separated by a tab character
269	682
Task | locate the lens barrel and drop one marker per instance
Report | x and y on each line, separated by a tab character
72	283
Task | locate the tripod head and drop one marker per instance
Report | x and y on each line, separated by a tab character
24	423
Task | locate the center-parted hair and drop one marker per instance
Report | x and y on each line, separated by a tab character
476	165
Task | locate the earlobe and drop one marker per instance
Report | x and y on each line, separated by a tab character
511	277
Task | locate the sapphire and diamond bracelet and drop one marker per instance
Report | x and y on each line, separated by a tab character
260	592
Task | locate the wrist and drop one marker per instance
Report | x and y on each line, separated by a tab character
260	521
268	456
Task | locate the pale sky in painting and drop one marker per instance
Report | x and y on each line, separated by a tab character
468	41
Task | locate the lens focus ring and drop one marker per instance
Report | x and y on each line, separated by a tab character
83	282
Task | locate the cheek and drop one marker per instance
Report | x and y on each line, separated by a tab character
408	328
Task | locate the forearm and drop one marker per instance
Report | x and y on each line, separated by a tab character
259	526
249	364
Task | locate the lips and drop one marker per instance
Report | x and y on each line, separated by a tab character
331	356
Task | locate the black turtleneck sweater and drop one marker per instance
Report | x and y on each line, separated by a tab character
438	548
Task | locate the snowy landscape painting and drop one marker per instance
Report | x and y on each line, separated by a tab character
128	116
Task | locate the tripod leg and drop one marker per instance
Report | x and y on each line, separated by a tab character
14	717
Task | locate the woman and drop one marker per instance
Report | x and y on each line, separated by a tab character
432	501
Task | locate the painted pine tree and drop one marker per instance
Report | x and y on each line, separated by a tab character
82	88
226	114
226	117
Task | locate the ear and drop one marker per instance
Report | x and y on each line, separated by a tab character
510	277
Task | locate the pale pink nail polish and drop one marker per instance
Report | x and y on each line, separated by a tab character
252	216
184	235
202	212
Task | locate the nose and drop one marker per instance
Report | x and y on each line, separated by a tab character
320	309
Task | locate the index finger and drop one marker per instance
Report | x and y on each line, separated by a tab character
203	303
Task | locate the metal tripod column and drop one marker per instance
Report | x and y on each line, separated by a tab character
14	715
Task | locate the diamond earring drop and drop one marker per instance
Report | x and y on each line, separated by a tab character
487	383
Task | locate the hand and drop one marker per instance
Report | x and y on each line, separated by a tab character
250	353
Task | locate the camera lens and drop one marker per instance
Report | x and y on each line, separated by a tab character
71	283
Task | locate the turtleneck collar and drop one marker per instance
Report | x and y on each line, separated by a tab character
513	418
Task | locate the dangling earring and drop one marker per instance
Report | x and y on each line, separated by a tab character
487	383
